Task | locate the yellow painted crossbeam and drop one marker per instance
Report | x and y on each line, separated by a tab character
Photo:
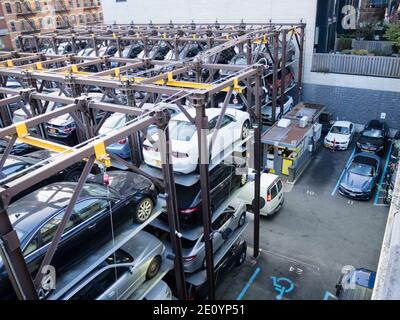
44	144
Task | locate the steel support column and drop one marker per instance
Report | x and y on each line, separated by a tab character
301	63
172	206
257	164
202	129
275	76
283	72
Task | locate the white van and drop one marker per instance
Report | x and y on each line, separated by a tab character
271	194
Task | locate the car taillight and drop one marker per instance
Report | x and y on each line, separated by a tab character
189	259
269	198
150	148
123	141
188	211
180	155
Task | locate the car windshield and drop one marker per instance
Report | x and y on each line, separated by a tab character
182	130
339	130
361	169
115	121
373	133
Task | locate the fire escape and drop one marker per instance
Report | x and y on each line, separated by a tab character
91	7
61	10
26	13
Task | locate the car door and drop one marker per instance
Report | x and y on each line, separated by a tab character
217	227
229	131
126	280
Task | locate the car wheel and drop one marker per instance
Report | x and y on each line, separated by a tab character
153	268
143	210
241	258
242	220
245	129
73	176
243	179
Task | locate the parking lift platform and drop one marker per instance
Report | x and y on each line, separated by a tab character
82	268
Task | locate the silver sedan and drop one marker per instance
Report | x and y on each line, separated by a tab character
123	272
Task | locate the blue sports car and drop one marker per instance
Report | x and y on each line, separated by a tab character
360	176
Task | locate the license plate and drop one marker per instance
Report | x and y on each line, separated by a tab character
52	130
352	194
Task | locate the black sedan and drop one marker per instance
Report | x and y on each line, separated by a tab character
18	149
35	217
16	166
223	180
360	176
373	137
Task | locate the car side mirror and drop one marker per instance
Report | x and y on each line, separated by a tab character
131	269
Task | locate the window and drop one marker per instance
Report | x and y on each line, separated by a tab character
100	284
41	23
18	7
32	246
85	3
37	5
92	3
86	209
223	218
70	3
94	17
99	3
66	21
58	22
226	120
78	3
49	21
273	192
101	16
8	8
12	169
81	19
22	25
73	20
280	186
17	44
87	17
13	26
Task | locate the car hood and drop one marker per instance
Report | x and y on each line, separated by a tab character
125	183
357	182
267	111
371	141
337	137
60	121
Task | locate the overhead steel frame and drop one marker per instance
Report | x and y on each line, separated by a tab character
199	95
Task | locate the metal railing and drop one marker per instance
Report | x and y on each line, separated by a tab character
356	65
381	47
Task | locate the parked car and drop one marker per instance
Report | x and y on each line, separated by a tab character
223	180
193	251
122	273
36	216
340	135
290	53
266	111
18	149
374	137
161	291
63	128
289	80
129	52
271	194
235	257
360	176
16	166
119	120
358	284
235	127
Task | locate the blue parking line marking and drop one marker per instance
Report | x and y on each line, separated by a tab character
248	284
340	178
383	176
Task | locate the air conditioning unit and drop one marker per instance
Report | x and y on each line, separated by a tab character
284	123
303	122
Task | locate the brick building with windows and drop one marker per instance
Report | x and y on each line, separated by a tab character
33	16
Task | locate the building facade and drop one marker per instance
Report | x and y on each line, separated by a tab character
19	17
